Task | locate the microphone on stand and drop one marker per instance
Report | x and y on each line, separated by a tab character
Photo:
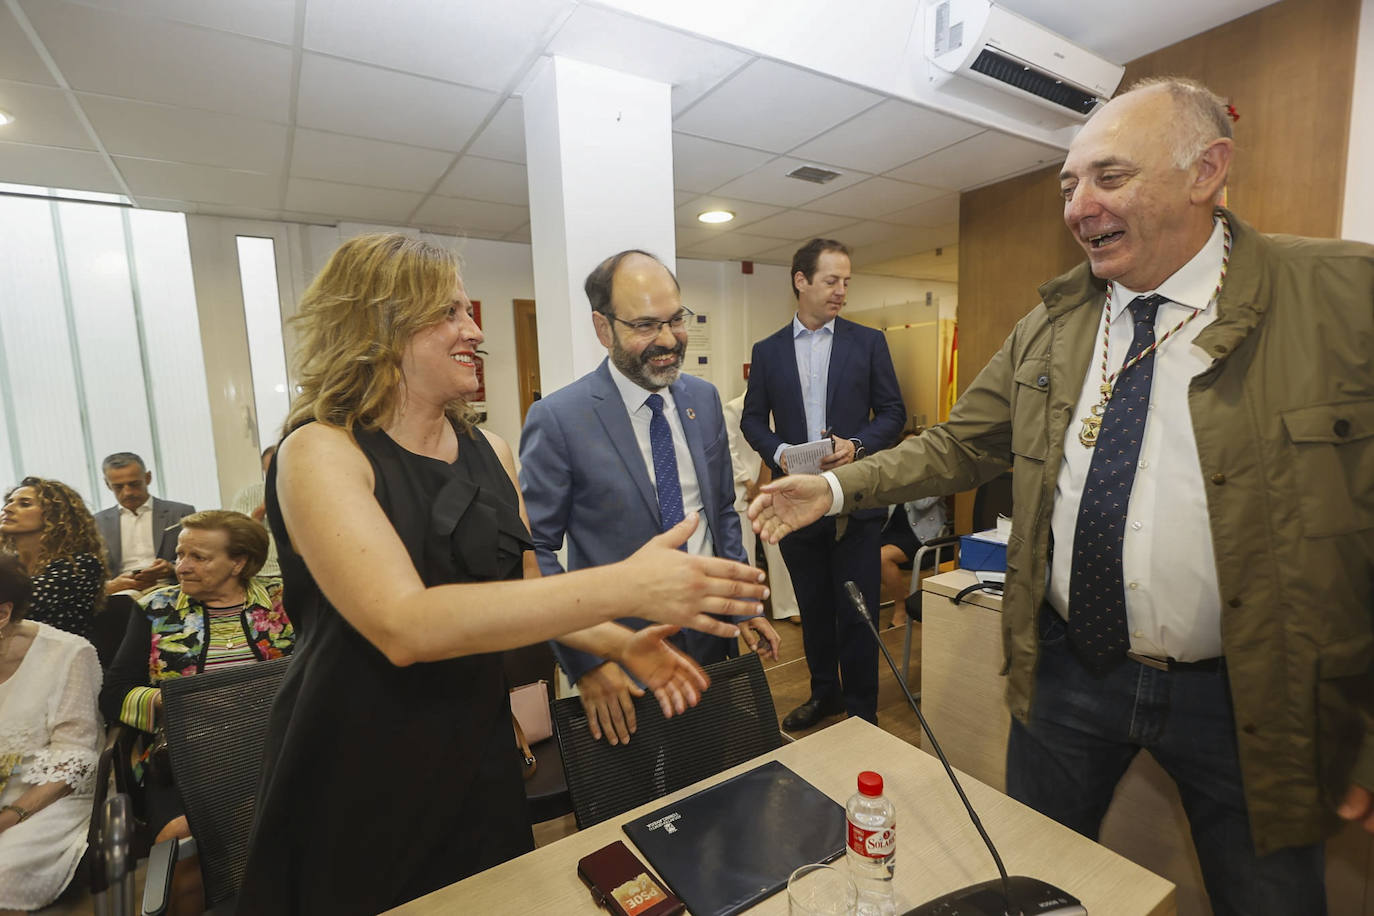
1016	895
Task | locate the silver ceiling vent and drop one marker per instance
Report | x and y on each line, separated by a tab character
813	174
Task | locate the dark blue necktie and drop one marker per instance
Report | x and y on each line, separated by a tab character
665	465
1097	590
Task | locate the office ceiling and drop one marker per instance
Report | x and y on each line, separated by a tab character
408	113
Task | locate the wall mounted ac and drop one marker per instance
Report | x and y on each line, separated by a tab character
980	41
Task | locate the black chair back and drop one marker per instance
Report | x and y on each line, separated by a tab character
216	726
734	722
108	626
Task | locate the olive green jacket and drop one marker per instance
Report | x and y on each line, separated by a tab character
1284	421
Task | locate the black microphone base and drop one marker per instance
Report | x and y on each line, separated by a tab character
1029	897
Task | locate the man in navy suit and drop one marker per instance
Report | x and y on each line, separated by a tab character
625	453
822	376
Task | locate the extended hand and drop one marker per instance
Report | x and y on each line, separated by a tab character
760	637
1358	805
673	586
607	695
785	505
676	680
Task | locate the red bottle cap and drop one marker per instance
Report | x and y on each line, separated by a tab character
870	783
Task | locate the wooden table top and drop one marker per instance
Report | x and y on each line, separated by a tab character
938	849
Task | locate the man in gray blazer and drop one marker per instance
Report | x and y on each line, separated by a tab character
625	453
140	532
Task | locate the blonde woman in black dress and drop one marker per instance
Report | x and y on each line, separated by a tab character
391	768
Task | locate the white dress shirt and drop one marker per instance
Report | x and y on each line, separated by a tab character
136	547
813	371
1173	605
640	415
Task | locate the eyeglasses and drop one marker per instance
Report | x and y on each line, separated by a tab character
652	327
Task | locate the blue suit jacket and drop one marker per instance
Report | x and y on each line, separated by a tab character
862	400
583	477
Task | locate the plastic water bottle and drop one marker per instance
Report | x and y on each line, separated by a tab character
872	848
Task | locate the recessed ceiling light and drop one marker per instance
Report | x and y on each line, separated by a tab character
5	117
716	216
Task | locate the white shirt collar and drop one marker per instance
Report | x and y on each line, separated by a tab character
140	511
1192	284
798	329
632	394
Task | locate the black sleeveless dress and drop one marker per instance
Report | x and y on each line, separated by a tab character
381	784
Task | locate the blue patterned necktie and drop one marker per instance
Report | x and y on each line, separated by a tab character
1097	590
665	465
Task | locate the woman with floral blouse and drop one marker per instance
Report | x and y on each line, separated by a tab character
216	616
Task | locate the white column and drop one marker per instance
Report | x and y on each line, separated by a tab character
1358	218
599	155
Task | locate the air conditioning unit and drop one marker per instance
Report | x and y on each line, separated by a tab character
977	40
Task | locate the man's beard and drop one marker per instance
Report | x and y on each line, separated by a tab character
638	370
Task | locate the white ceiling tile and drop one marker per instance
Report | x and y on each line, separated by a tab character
18	60
745	211
681	197
800	224
314	219
911	241
179	181
487	179
769	183
732	245
166	132
687	236
774	107
875	197
865	233
474	42
237	212
349	201
357	160
703	165
886	136
43	116
353	98
471	215
935	212
51	167
979	160
170	206
780	255
160	61
271	19
504	136
626	44
519	235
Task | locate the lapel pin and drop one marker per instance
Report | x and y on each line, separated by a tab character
691	414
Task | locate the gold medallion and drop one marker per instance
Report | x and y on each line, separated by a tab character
1087	433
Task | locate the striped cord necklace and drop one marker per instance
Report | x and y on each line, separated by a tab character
1092	424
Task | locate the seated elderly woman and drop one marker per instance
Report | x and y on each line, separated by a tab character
49	748
47	524
218	615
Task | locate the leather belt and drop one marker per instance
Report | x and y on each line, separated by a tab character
1173	664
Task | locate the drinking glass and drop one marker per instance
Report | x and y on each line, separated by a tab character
820	890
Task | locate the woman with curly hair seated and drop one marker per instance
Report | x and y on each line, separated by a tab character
47	524
49	746
217	615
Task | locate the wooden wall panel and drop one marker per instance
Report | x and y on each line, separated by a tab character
1289	71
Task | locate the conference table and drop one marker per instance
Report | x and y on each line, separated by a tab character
938	850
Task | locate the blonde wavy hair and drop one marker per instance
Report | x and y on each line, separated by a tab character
355	320
68	528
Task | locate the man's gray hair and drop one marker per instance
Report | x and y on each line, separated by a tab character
121	460
1202	115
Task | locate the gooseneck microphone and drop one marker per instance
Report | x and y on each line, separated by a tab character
1004	896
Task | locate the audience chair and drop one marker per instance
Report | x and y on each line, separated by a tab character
992	499
734	722
216	725
111	860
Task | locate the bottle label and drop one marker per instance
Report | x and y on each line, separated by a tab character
873	844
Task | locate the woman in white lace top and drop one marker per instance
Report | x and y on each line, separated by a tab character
49	747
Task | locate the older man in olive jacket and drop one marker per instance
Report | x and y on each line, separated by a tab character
1191	568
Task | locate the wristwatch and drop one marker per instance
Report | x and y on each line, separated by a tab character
859	450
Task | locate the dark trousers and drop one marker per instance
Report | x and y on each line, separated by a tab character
1083	733
840	651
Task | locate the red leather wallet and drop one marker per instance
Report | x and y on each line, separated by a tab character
621	883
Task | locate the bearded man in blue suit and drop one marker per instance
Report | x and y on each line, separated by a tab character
624	453
824	377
